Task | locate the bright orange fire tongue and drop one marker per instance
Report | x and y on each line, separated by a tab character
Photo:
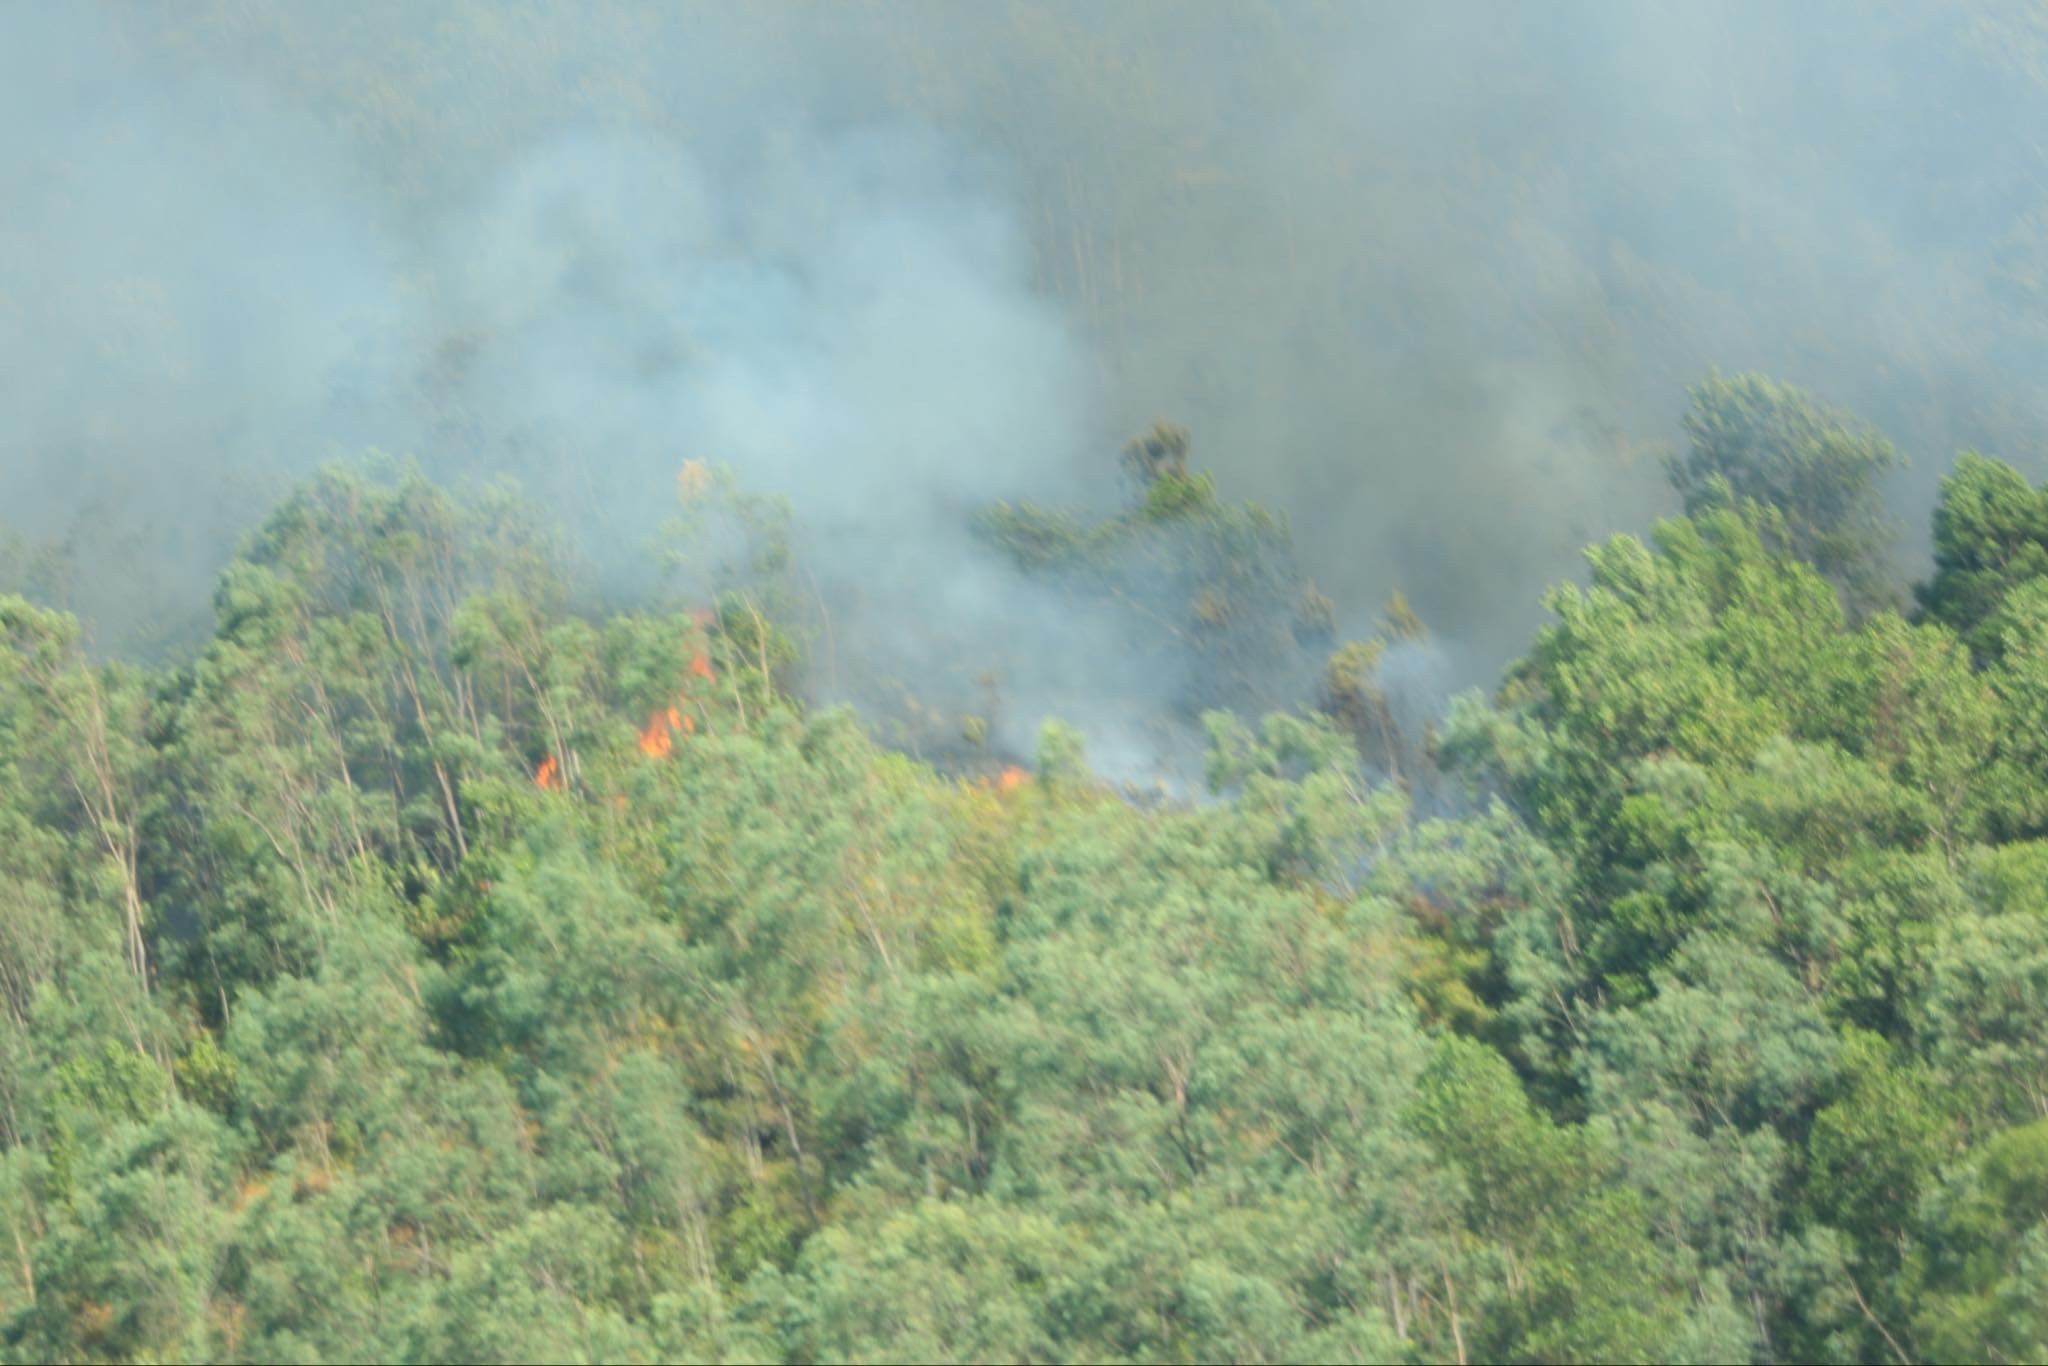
545	777
659	737
1012	779
654	741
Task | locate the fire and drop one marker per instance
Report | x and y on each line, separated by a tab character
654	741
659	738
547	777
694	481
1012	778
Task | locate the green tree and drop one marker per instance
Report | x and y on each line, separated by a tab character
1990	537
1757	440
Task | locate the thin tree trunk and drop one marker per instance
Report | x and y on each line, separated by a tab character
1451	1298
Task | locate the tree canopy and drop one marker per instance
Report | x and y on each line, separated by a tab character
427	969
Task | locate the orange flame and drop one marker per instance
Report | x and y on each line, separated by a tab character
1012	778
659	738
546	777
655	741
694	481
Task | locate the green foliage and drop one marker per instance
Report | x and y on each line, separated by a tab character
1174	496
1352	697
1874	1150
1158	454
1990	537
1039	538
1981	1270
1208	591
1585	1277
1769	443
425	971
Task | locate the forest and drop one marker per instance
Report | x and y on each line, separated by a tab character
429	968
1186	680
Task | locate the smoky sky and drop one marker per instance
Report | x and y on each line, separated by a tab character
1430	280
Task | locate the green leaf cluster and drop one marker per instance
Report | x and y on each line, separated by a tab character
426	970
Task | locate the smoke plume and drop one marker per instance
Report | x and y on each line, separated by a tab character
1430	281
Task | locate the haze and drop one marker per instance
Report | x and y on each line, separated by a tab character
1429	279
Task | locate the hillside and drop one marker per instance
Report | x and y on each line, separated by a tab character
423	969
